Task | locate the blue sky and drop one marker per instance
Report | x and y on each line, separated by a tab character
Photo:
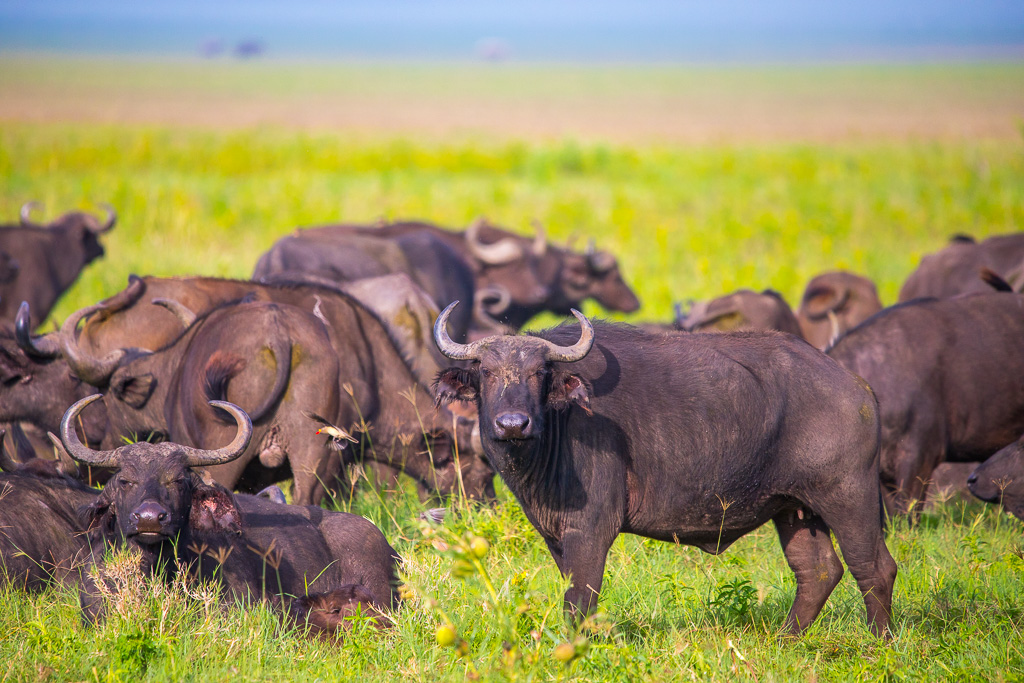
573	30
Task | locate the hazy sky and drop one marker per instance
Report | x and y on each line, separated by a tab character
532	29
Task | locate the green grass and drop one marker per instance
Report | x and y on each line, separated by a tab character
685	222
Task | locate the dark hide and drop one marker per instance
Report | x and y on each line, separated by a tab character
345	257
935	366
375	359
39	262
846	298
555	281
954	269
1000	479
742	310
687	438
41	536
949	483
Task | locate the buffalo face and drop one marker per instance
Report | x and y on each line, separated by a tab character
1001	479
595	274
514	380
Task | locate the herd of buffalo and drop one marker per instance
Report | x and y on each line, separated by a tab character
189	398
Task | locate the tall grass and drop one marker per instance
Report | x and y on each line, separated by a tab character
685	222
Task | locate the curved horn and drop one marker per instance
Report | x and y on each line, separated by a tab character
182	312
7	463
498	295
540	240
569	354
47	346
26	213
501	252
200	457
97	371
450	348
66	465
108	225
839	302
75	447
837	330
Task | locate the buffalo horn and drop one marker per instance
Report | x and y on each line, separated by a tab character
46	346
838	302
540	240
471	351
199	457
75	447
180	310
7	464
92	370
108	225
66	465
494	299
26	214
501	252
569	354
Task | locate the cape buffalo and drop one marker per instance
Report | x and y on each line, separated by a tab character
935	366
39	262
833	303
41	535
954	269
688	438
742	310
537	275
176	521
379	362
1000	479
328	615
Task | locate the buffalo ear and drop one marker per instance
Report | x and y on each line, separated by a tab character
213	509
98	516
566	389
134	390
456	384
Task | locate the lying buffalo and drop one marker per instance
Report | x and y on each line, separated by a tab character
329	615
1000	479
741	310
935	366
162	509
954	269
38	262
537	275
688	438
379	362
41	535
834	303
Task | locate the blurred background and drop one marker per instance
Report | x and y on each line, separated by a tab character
754	143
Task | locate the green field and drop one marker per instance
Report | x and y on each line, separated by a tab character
686	221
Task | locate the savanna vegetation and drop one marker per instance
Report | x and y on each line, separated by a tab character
686	221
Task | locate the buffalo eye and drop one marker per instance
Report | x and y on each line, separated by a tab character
336	610
484	372
122	481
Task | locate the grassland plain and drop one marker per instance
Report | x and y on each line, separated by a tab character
686	221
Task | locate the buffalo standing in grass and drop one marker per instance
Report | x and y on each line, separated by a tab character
834	303
695	439
176	521
39	262
1000	479
947	376
954	269
537	275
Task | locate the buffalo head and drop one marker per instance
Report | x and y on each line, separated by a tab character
1000	479
154	494
595	274
513	379
77	228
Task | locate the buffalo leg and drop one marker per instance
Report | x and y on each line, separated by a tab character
807	544
581	556
312	476
858	530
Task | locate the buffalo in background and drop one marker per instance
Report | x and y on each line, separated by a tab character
954	269
39	261
834	303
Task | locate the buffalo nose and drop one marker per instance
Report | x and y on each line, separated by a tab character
973	478
149	516
512	425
